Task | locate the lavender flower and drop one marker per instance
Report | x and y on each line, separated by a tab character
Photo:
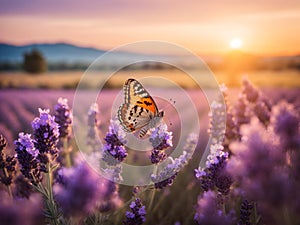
208	211
137	214
168	174
93	124
245	212
3	143
46	137
231	133
259	104
114	150
285	123
111	199
45	132
80	191
241	112
63	117
21	211
161	139
7	164
258	164
252	94
262	112
26	155
217	122
22	187
257	146
215	175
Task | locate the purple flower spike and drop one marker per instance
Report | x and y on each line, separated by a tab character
81	190
7	164
46	137
285	123
166	177
245	213
93	123
45	132
26	155
137	214
22	211
252	94
161	139
114	150
63	116
215	174
208	211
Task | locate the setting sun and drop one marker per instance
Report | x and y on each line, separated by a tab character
236	43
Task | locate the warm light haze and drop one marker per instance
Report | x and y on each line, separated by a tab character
236	43
270	27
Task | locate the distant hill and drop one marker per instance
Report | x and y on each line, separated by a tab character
53	52
68	56
63	53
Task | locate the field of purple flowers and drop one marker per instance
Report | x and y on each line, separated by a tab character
251	175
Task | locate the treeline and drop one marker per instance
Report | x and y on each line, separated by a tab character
234	61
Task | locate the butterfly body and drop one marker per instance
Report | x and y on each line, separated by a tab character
139	110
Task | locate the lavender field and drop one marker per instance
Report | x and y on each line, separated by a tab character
251	176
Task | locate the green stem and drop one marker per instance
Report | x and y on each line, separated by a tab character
51	207
256	216
286	215
66	152
153	190
49	182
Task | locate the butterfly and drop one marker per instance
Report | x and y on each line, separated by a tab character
139	111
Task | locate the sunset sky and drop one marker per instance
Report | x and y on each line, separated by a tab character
269	27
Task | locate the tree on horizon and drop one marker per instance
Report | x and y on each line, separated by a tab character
34	62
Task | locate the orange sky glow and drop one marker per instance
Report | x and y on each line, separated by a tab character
270	27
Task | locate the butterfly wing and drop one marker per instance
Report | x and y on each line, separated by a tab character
133	117
136	94
139	108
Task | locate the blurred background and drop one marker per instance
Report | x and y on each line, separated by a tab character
46	46
49	44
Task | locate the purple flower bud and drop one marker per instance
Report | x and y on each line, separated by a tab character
285	123
114	150
81	191
7	164
22	188
252	94
3	143
45	133
241	111
93	124
161	139
215	175
26	155
208	210
217	125
22	211
137	214
168	174
245	213
63	117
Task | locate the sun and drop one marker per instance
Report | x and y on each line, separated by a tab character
236	43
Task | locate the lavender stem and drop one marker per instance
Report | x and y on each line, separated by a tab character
153	190
8	186
66	152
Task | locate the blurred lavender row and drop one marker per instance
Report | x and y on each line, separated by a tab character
251	175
